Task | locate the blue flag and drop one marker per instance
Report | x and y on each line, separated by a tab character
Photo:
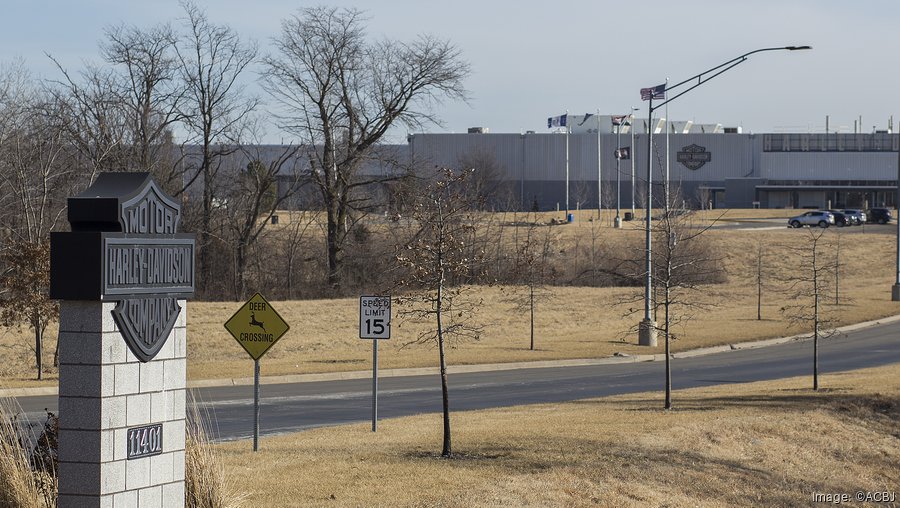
556	121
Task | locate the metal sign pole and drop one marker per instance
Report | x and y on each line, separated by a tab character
255	405
374	385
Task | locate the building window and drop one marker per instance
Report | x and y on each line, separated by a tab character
877	142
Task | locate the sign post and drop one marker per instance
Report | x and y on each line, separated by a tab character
374	385
374	324
256	326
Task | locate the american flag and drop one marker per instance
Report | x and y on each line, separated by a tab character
619	119
656	92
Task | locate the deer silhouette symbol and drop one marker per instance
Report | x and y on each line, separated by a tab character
254	322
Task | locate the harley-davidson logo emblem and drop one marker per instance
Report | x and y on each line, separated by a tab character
145	323
150	212
694	157
125	233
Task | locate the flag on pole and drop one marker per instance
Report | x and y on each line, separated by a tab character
556	121
619	119
623	153
656	92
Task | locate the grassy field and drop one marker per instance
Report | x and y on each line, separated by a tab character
771	443
576	322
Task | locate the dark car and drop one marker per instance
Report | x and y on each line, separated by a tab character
857	217
879	215
840	218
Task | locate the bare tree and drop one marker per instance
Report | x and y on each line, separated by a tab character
94	120
211	60
704	197
808	288
33	178
341	94
148	89
686	265
437	258
534	269
581	193
293	241
487	185
252	200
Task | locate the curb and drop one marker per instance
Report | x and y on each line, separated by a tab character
486	367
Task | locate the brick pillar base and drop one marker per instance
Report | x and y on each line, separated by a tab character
103	391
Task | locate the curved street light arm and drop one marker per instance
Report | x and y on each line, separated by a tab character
723	67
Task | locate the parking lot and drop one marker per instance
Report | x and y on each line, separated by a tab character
782	223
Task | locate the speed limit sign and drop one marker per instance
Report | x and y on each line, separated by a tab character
374	317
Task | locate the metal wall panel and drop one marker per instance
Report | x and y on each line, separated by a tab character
542	157
829	165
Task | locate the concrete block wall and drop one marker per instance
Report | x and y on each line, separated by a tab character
104	390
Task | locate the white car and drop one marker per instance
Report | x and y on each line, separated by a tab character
818	218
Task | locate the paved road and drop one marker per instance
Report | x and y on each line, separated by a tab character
291	407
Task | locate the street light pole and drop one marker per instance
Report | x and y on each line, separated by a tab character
647	327
618	222
895	290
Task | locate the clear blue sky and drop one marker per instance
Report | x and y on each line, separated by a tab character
534	59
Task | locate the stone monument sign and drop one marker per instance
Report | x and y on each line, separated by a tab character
123	274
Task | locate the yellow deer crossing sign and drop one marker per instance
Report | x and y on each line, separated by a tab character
256	326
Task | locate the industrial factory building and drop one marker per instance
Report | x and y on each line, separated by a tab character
707	165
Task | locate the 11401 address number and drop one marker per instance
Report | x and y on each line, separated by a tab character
145	441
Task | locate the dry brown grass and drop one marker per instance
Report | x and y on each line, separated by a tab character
577	322
206	484
762	444
20	486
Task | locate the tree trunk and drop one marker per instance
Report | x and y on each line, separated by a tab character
759	286
38	345
837	272
532	317
445	395
815	323
816	345
290	277
334	252
668	359
56	353
240	266
205	226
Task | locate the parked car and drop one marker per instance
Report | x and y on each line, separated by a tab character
818	218
840	218
879	215
858	216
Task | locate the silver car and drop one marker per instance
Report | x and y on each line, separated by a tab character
818	218
858	216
